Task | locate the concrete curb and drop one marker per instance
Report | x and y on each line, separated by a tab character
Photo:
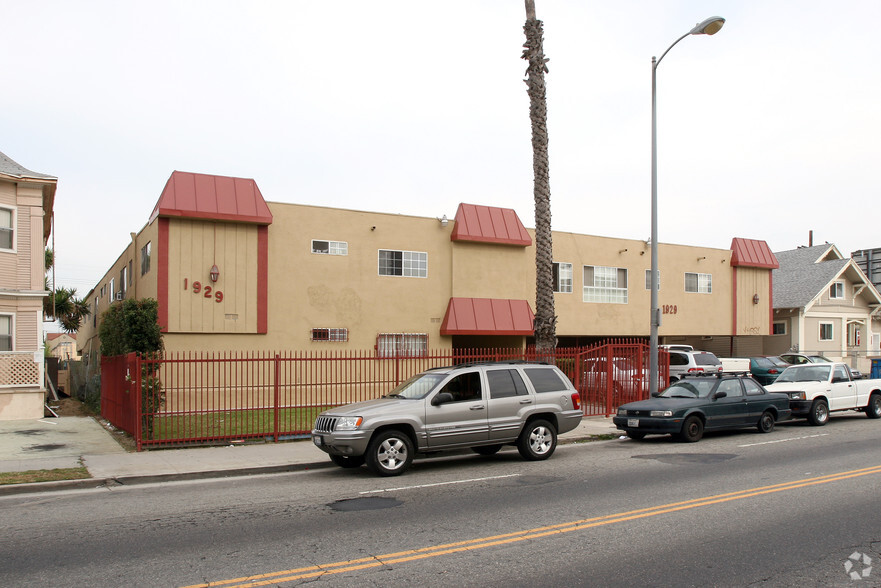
135	480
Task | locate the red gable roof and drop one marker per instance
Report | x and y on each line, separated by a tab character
488	224
202	196
487	316
752	253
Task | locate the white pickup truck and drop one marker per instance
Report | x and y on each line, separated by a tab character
816	389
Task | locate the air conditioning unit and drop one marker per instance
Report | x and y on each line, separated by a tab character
120	295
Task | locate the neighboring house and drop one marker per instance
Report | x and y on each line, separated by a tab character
26	201
869	261
233	272
824	304
62	346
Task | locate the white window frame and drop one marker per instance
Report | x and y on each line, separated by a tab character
402	345
11	333
334	334
11	228
782	324
333	247
414	264
605	286
703	283
564	277
648	279
836	291
112	289
831	336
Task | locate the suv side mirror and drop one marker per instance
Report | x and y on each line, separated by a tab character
719	395
441	398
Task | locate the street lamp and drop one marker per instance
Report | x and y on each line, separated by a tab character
709	26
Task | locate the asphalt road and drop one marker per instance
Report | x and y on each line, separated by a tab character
736	509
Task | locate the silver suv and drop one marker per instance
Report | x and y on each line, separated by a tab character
481	406
689	363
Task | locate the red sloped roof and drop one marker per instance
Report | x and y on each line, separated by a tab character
487	316
752	253
488	224
202	196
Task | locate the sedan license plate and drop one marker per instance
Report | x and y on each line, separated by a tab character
318	440
633	422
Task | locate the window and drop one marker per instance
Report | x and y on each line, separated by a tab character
145	258
464	387
122	280
545	380
5	332
95	313
505	384
836	290
562	277
778	329
112	289
129	273
7	229
103	290
330	334
826	333
402	345
699	283
410	264
605	284
752	389
648	279
330	247
731	388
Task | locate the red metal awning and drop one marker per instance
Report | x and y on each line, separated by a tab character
487	316
752	253
488	224
201	196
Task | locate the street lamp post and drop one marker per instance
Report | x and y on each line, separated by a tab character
709	26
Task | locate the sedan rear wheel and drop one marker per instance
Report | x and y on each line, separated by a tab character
766	422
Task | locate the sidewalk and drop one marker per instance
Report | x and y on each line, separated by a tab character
69	442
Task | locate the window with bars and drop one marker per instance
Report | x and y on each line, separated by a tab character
330	334
402	345
562	277
7	228
699	283
330	247
605	284
409	264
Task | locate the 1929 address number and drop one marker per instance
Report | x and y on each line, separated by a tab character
204	290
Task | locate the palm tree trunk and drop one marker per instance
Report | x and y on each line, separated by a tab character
545	319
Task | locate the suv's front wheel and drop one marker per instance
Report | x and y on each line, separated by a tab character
389	453
538	440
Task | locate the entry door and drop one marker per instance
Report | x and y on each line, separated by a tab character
463	421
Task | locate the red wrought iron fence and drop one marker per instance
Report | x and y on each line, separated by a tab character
187	398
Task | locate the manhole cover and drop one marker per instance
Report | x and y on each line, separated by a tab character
366	503
689	458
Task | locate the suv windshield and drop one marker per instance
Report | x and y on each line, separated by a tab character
690	389
417	387
805	373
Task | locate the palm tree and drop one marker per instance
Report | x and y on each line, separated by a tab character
545	319
62	304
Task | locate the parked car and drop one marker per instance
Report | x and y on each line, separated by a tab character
766	368
801	358
628	380
477	406
676	347
683	363
696	404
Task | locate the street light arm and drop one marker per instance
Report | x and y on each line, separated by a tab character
658	60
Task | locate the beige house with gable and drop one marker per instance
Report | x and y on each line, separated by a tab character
26	201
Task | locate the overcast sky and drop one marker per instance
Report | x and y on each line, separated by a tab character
766	130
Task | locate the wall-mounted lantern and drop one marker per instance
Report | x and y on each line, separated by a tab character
755	298
214	273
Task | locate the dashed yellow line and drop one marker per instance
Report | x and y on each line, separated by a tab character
525	535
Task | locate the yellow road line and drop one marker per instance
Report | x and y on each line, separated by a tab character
517	536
